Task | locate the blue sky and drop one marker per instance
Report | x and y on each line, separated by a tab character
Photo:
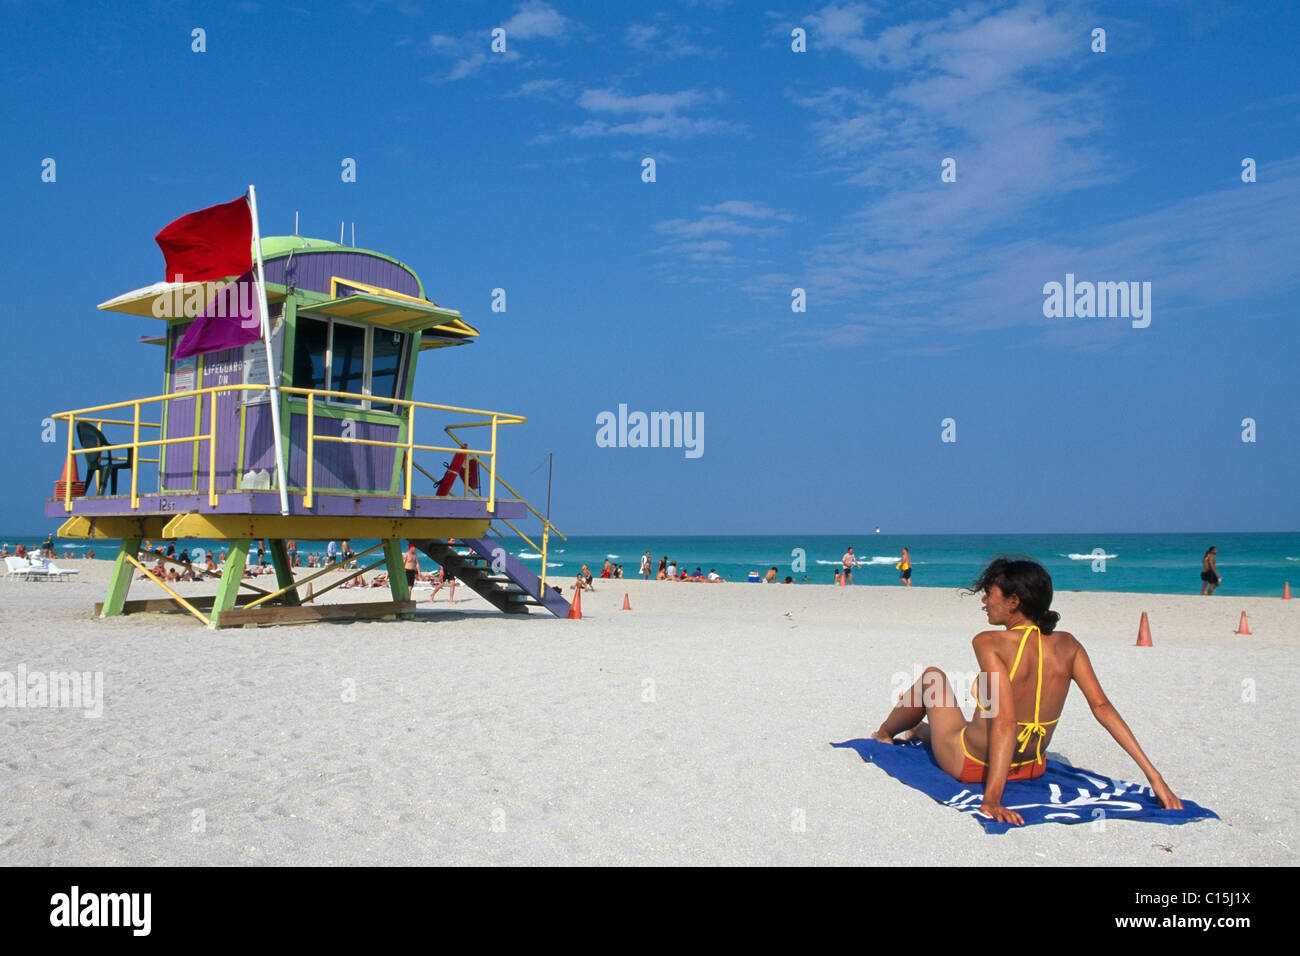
775	170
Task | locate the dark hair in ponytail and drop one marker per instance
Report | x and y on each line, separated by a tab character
1027	580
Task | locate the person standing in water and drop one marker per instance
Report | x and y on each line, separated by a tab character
850	561
1209	571
905	569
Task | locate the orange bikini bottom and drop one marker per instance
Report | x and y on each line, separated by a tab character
973	771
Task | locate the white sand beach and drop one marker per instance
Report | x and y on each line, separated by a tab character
693	729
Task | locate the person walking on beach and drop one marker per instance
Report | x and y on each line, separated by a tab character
646	565
850	562
905	569
331	549
1009	742
1209	571
447	578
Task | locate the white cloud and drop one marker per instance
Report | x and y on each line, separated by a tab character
700	239
473	52
534	19
611	101
664	39
660	114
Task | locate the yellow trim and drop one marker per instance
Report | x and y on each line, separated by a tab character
454	321
336	281
81	526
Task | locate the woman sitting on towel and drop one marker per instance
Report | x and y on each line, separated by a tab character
1028	665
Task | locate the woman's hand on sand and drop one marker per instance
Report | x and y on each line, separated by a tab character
1166	796
1001	814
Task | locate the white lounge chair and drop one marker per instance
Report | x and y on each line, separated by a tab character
58	573
21	567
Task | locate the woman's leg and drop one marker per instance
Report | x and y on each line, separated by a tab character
932	698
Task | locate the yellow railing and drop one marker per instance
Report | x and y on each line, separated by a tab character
408	446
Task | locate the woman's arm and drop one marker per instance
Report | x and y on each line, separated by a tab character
1109	718
1002	733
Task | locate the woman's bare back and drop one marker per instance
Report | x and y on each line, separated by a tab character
1059	650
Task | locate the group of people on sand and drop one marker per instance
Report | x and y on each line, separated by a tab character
668	571
1026	668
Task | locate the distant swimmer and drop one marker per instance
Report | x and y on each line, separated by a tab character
850	561
1209	572
905	569
1009	742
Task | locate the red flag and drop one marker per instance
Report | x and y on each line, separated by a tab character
212	243
233	318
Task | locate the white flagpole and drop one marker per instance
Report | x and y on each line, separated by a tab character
272	373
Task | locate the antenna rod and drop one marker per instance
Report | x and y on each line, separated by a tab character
354	235
340	232
295	222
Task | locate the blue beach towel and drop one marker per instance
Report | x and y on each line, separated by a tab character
1063	794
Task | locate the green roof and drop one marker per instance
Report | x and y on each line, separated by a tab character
273	246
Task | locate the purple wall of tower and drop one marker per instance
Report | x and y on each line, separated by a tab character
312	271
338	465
214	368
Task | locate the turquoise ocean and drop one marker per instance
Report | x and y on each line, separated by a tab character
1254	564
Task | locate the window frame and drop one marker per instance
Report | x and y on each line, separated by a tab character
385	404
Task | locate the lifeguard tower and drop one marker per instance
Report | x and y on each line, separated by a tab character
345	328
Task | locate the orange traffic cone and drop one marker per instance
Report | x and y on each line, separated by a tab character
1144	632
1243	627
1286	591
61	486
626	605
575	609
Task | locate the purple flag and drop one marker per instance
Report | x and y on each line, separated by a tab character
233	318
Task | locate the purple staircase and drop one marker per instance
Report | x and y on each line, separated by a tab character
513	589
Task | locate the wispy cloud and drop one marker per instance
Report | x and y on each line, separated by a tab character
699	239
980	84
535	19
472	51
649	114
663	39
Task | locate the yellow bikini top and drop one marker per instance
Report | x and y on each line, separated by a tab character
1030	728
